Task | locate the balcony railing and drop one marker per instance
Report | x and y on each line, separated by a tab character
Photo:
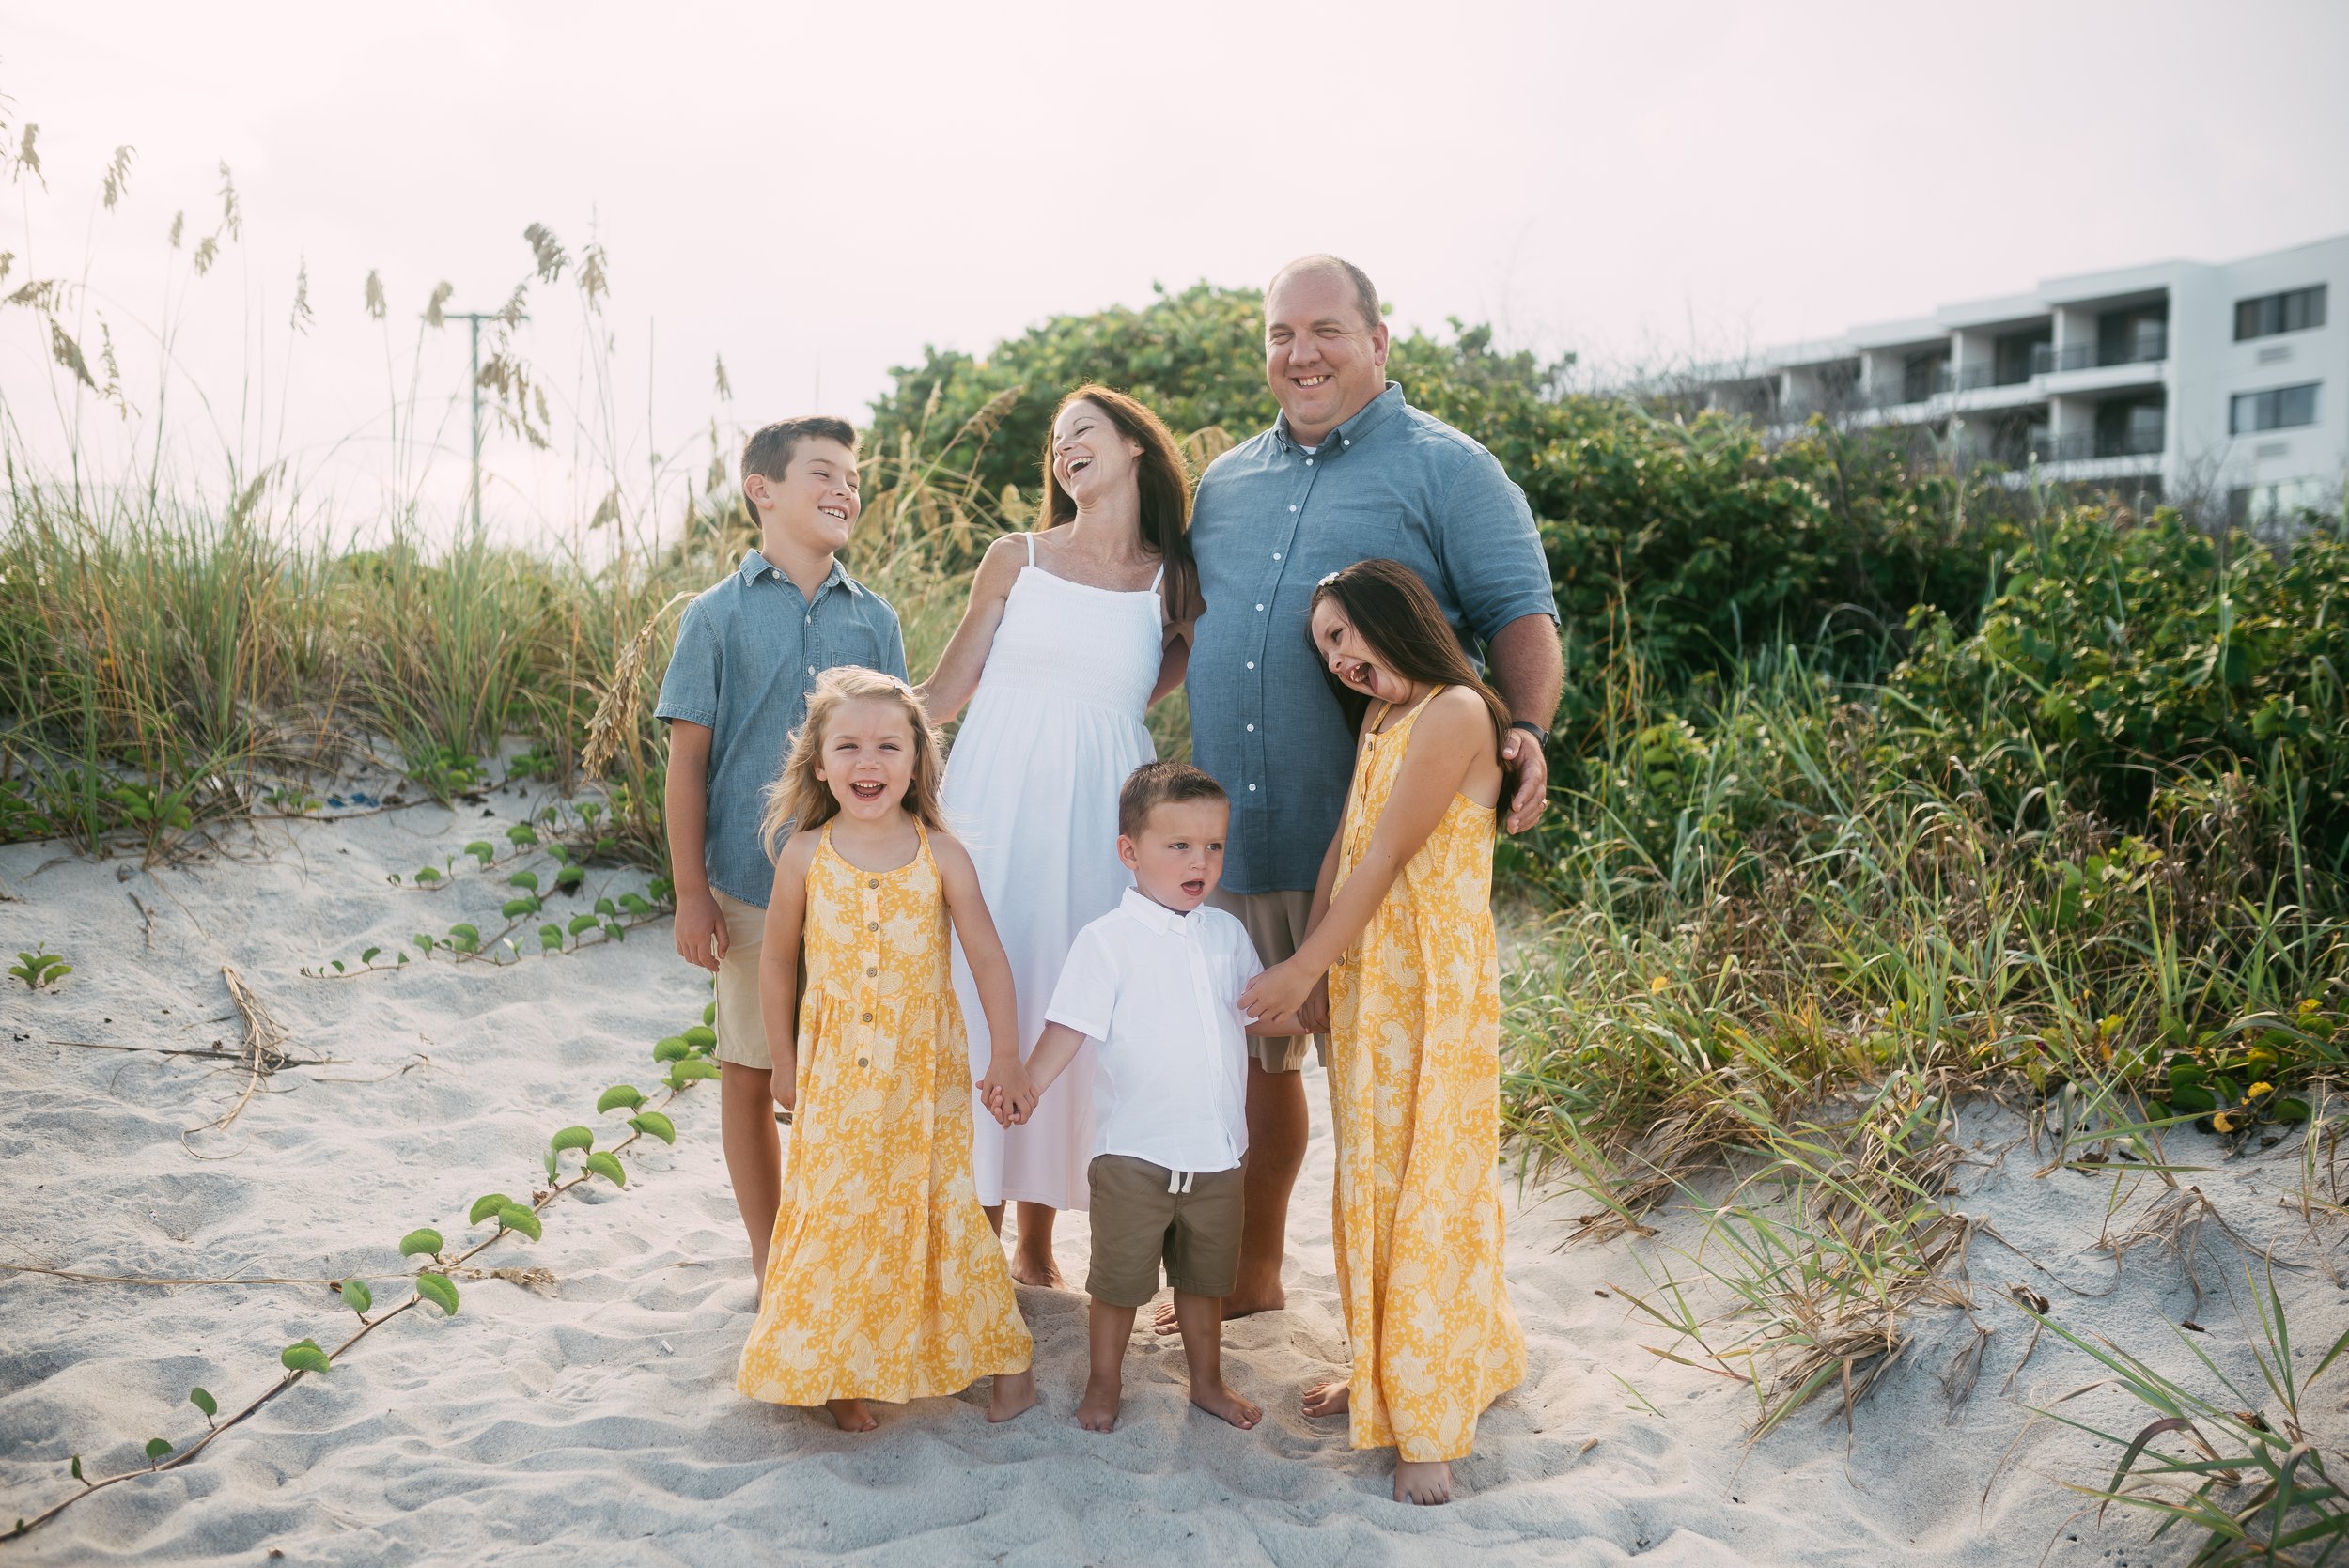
2078	446
2146	345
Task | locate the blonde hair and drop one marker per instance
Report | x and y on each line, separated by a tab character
799	799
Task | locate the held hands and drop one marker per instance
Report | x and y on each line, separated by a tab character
701	929
1314	1016
1282	989
1006	1091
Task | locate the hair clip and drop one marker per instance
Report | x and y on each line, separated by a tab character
1326	580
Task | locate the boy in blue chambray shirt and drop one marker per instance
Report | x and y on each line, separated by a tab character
747	655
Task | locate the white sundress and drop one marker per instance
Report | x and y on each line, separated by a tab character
1032	784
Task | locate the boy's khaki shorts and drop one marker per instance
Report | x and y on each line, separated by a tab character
1276	924
742	1027
1136	1222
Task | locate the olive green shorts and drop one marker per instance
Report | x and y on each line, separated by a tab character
1137	1223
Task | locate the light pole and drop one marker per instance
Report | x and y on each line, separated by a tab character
472	320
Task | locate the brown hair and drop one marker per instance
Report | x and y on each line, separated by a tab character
1163	481
767	453
1157	783
1365	292
1386	602
799	799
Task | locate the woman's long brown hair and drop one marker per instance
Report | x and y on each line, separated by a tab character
1162	480
1387	603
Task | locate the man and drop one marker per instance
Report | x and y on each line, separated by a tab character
1349	471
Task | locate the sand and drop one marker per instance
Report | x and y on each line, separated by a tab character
595	1418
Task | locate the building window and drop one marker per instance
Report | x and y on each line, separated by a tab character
2277	409
2261	507
2293	310
2133	336
2128	428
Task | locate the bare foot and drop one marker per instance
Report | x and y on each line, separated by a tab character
1099	1410
1327	1399
1163	1319
1014	1395
1043	1273
851	1415
1422	1482
1217	1399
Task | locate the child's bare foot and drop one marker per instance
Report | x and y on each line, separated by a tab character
1422	1482
1217	1399
851	1415
1162	1320
1042	1272
1327	1399
1014	1393
1099	1410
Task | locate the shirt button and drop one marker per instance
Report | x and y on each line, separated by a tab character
870	972
868	1017
1276	554
1309	462
872	925
863	1062
1251	726
1292	506
1260	610
1251	663
811	669
1251	789
874	883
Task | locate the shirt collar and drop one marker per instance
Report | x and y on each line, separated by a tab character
1155	916
1368	418
756	566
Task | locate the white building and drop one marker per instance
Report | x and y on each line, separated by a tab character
2177	381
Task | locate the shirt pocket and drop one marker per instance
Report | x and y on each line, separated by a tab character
1338	533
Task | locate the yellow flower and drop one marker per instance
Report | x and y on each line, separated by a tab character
2258	1088
1658	985
2224	1121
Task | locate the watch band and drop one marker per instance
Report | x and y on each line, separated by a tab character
1541	736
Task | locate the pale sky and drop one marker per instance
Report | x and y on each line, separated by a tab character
815	192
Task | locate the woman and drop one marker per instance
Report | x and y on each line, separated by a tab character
1073	631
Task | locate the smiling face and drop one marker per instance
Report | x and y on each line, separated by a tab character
869	756
1353	660
1178	857
815	505
1091	456
1324	362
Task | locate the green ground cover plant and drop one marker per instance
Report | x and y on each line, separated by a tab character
684	1060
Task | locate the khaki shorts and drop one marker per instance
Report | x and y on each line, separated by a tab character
742	1026
1276	924
1136	1222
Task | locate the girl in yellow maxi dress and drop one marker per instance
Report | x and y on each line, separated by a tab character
884	1280
1402	924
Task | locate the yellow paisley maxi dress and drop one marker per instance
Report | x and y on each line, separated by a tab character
884	1280
1414	1096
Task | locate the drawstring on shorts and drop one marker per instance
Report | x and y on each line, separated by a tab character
1178	1181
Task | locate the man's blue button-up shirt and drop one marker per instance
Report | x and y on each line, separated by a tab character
748	653
1271	520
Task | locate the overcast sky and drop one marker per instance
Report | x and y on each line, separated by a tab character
815	192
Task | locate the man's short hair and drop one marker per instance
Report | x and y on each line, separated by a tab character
1365	292
1157	783
767	453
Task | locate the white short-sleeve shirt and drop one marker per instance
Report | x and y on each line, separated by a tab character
1159	995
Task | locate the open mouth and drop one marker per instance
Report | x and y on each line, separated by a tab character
1358	674
1078	465
1311	381
866	790
1195	888
840	512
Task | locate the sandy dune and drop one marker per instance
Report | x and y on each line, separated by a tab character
596	1421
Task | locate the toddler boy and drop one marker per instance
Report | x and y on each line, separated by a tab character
1156	985
747	655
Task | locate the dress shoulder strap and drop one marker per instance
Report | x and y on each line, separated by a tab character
1030	538
1158	577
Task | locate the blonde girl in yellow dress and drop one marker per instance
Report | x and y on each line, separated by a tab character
1401	924
884	1280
